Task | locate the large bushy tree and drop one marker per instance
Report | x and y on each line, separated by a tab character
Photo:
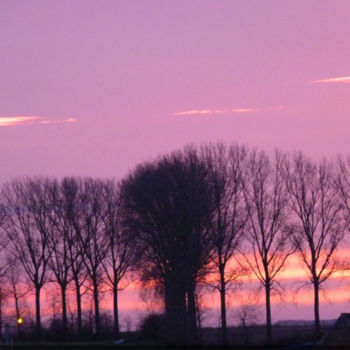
166	205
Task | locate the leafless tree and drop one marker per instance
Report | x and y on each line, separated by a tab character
248	311
120	251
60	262
28	227
342	183
93	241
4	294
72	225
17	287
226	168
319	223
267	208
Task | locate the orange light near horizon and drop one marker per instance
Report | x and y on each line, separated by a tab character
19	320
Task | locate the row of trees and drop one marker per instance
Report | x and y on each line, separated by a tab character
180	221
69	232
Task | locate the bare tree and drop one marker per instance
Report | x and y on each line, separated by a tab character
319	223
120	251
28	227
17	287
60	261
71	224
267	208
4	294
226	168
92	239
248	311
342	182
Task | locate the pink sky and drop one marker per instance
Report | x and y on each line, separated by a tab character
94	87
123	69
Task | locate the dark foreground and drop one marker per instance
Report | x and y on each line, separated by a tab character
285	338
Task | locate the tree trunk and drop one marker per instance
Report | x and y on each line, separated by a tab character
18	315
223	306
64	310
115	311
245	328
78	296
191	312
97	309
268	313
37	310
175	312
0	314
316	309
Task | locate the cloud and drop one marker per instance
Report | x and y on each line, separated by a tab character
30	119
339	80
69	120
202	111
224	111
17	120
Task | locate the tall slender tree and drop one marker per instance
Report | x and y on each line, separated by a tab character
71	222
267	237
120	253
342	183
92	239
319	222
59	240
226	170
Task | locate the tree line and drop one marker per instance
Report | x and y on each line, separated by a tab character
175	221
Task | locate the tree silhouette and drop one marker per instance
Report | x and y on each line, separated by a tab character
319	223
267	208
120	253
28	227
92	239
226	170
59	262
71	223
166	204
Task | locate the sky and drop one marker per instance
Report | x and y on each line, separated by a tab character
98	86
91	88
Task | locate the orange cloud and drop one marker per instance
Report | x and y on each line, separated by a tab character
341	80
22	120
17	120
224	111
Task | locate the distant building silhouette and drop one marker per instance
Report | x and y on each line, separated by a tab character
339	334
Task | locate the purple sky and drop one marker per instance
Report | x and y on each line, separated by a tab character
94	87
120	70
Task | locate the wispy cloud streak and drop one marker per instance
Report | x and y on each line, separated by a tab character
224	111
339	80
17	120
30	119
69	120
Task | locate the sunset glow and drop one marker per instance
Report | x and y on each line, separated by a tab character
101	89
